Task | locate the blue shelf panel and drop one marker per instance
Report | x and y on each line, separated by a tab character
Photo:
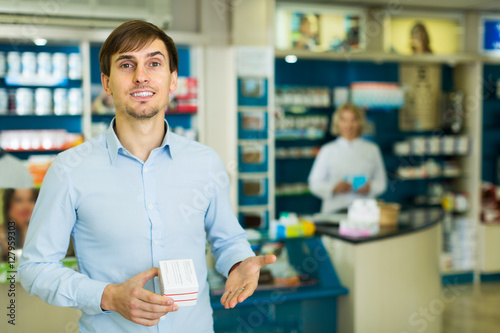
490	277
285	295
24	155
293	171
72	124
457	278
304	204
491	124
332	73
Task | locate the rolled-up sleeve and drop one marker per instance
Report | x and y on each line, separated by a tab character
41	272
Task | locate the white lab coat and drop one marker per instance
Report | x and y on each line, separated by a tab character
339	159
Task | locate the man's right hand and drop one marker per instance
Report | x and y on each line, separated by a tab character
342	187
135	303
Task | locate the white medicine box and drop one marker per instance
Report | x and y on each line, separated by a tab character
177	279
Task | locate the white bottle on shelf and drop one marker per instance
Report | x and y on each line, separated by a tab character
60	65
28	61
13	63
43	101
75	101
24	101
60	101
44	63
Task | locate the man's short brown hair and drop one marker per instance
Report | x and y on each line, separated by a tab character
132	36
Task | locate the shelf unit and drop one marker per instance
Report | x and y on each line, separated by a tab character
299	308
87	43
462	71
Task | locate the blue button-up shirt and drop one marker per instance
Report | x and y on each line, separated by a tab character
124	216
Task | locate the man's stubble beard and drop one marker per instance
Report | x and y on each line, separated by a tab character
148	115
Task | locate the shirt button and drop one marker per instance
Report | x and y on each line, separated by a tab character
150	206
155	242
162	318
146	170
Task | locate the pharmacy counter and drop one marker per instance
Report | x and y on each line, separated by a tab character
393	276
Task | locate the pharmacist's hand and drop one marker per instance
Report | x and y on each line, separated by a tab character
135	303
243	280
364	190
342	187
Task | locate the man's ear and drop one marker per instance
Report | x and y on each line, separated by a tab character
173	81
105	84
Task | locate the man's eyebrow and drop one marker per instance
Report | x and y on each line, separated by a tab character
152	54
124	56
129	57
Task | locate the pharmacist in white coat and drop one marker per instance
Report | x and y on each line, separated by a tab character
348	167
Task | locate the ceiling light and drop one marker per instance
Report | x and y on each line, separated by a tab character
40	41
291	59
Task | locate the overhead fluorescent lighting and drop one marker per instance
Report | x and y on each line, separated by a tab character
40	41
291	59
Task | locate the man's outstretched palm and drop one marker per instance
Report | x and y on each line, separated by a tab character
243	280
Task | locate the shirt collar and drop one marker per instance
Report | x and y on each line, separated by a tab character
347	143
114	145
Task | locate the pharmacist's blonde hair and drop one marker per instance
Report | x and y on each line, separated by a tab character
358	113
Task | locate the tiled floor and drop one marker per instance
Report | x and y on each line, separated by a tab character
472	309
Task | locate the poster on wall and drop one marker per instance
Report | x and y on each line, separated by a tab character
422	33
490	41
319	28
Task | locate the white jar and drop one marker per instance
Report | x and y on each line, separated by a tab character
60	64
75	101
60	101
28	60
24	101
4	101
3	65
75	66
13	63
43	101
44	62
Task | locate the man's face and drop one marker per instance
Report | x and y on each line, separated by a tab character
140	81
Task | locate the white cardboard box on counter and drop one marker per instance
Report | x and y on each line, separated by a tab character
177	279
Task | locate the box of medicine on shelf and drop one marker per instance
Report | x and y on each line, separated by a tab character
253	191
257	219
252	125
253	157
177	279
252	91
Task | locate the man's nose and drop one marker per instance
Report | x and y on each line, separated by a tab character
141	75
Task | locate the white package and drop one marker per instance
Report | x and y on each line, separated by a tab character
177	279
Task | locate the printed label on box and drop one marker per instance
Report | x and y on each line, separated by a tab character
178	281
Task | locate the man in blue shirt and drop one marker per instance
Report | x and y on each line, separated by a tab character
134	196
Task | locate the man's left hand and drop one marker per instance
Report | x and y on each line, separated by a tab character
243	280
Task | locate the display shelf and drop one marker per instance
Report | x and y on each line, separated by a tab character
381	57
35	81
287	294
300	139
291	159
305	194
428	178
458	277
309	258
432	155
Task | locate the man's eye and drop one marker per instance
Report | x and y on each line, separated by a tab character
126	65
155	64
